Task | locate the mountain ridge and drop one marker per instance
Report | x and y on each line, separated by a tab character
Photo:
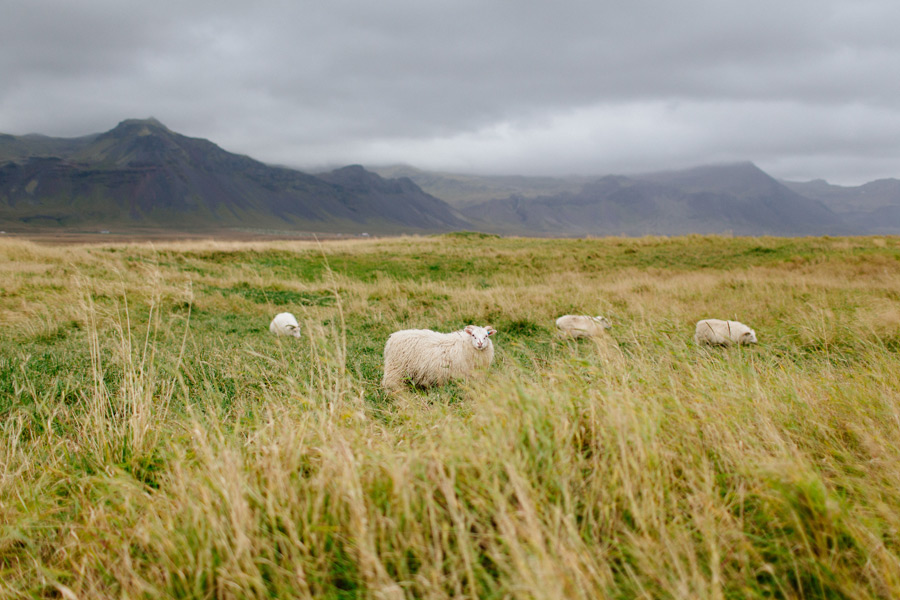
140	173
738	198
873	206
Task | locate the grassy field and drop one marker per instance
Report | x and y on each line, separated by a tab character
157	442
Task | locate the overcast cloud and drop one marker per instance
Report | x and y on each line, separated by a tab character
805	89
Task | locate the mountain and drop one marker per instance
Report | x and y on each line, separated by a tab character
873	207
19	148
371	192
738	198
461	190
141	174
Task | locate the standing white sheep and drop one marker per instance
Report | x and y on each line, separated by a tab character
428	358
723	333
285	324
580	326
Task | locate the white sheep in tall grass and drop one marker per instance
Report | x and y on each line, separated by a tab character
427	358
581	326
285	324
723	333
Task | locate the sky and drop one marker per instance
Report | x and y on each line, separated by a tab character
806	89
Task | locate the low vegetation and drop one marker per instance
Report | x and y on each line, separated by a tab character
157	442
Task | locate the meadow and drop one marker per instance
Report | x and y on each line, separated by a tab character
157	442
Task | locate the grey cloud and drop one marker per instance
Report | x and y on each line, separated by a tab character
425	82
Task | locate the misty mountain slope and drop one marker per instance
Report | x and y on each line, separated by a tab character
873	207
21	148
461	190
142	174
394	199
740	199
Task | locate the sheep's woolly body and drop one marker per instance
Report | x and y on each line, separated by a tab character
285	324
428	358
723	333
579	326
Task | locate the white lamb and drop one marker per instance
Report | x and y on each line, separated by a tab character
581	326
428	358
285	324
723	333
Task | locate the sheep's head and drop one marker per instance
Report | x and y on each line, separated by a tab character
602	322
293	330
749	337
479	335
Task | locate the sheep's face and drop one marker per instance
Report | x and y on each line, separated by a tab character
479	336
602	322
293	330
749	337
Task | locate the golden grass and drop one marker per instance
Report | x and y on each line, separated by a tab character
155	442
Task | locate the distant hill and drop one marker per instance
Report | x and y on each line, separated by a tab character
736	198
873	207
21	148
460	190
372	193
141	174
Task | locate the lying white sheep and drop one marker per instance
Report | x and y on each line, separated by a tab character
580	326
285	324
723	333
428	358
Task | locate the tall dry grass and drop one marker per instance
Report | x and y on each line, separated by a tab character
156	443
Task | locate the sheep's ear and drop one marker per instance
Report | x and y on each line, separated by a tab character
293	327
491	331
469	329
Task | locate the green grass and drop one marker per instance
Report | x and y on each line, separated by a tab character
157	442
